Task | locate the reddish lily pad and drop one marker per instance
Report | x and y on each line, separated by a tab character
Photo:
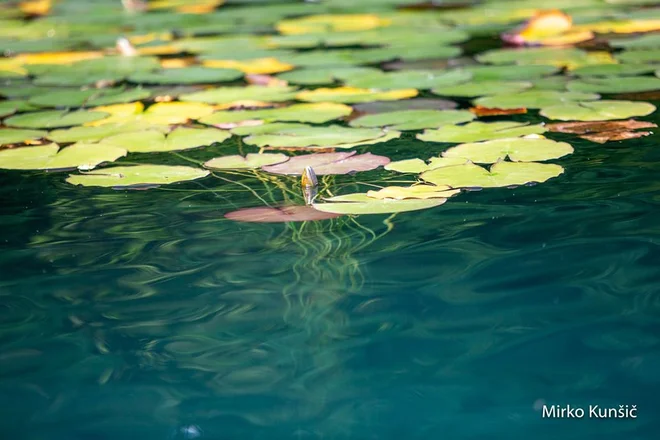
329	163
264	214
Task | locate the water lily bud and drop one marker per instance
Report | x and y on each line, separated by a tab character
125	47
309	179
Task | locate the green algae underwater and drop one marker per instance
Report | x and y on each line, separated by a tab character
480	244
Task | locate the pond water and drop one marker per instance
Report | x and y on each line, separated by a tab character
148	315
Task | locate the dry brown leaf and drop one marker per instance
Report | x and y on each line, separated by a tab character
608	136
603	131
488	111
598	126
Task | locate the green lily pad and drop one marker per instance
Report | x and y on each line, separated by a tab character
413	119
53	119
11	107
153	141
501	174
50	157
97	133
510	73
353	95
516	149
314	136
15	136
482	88
356	204
409	79
226	95
137	176
273	127
109	68
324	76
557	83
647	41
639	56
536	56
419	166
613	70
605	110
89	98
615	84
534	99
186	75
251	161
480	131
316	113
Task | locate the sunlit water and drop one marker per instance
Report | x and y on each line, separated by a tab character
147	315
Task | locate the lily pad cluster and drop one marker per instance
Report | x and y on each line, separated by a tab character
143	94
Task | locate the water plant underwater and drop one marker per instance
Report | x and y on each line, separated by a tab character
301	96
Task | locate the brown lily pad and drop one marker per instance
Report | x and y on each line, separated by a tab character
639	96
329	163
265	214
604	131
487	111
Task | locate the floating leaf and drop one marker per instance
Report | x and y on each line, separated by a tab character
648	41
356	204
324	76
501	174
263	214
409	79
54	119
17	136
413	119
50	157
603	131
251	161
493	111
315	112
159	113
306	136
153	141
482	88
510	73
418	165
404	104
610	70
639	56
615	84
413	192
137	176
525	149
598	110
226	95
480	131
89	98
534	99
186	75
559	57
350	95
96	133
266	65
328	163
331	23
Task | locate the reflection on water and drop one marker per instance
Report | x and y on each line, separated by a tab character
146	314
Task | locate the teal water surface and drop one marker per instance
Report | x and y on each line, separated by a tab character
147	315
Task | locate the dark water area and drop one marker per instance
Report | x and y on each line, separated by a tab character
147	315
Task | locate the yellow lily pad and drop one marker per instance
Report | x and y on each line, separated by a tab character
349	95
